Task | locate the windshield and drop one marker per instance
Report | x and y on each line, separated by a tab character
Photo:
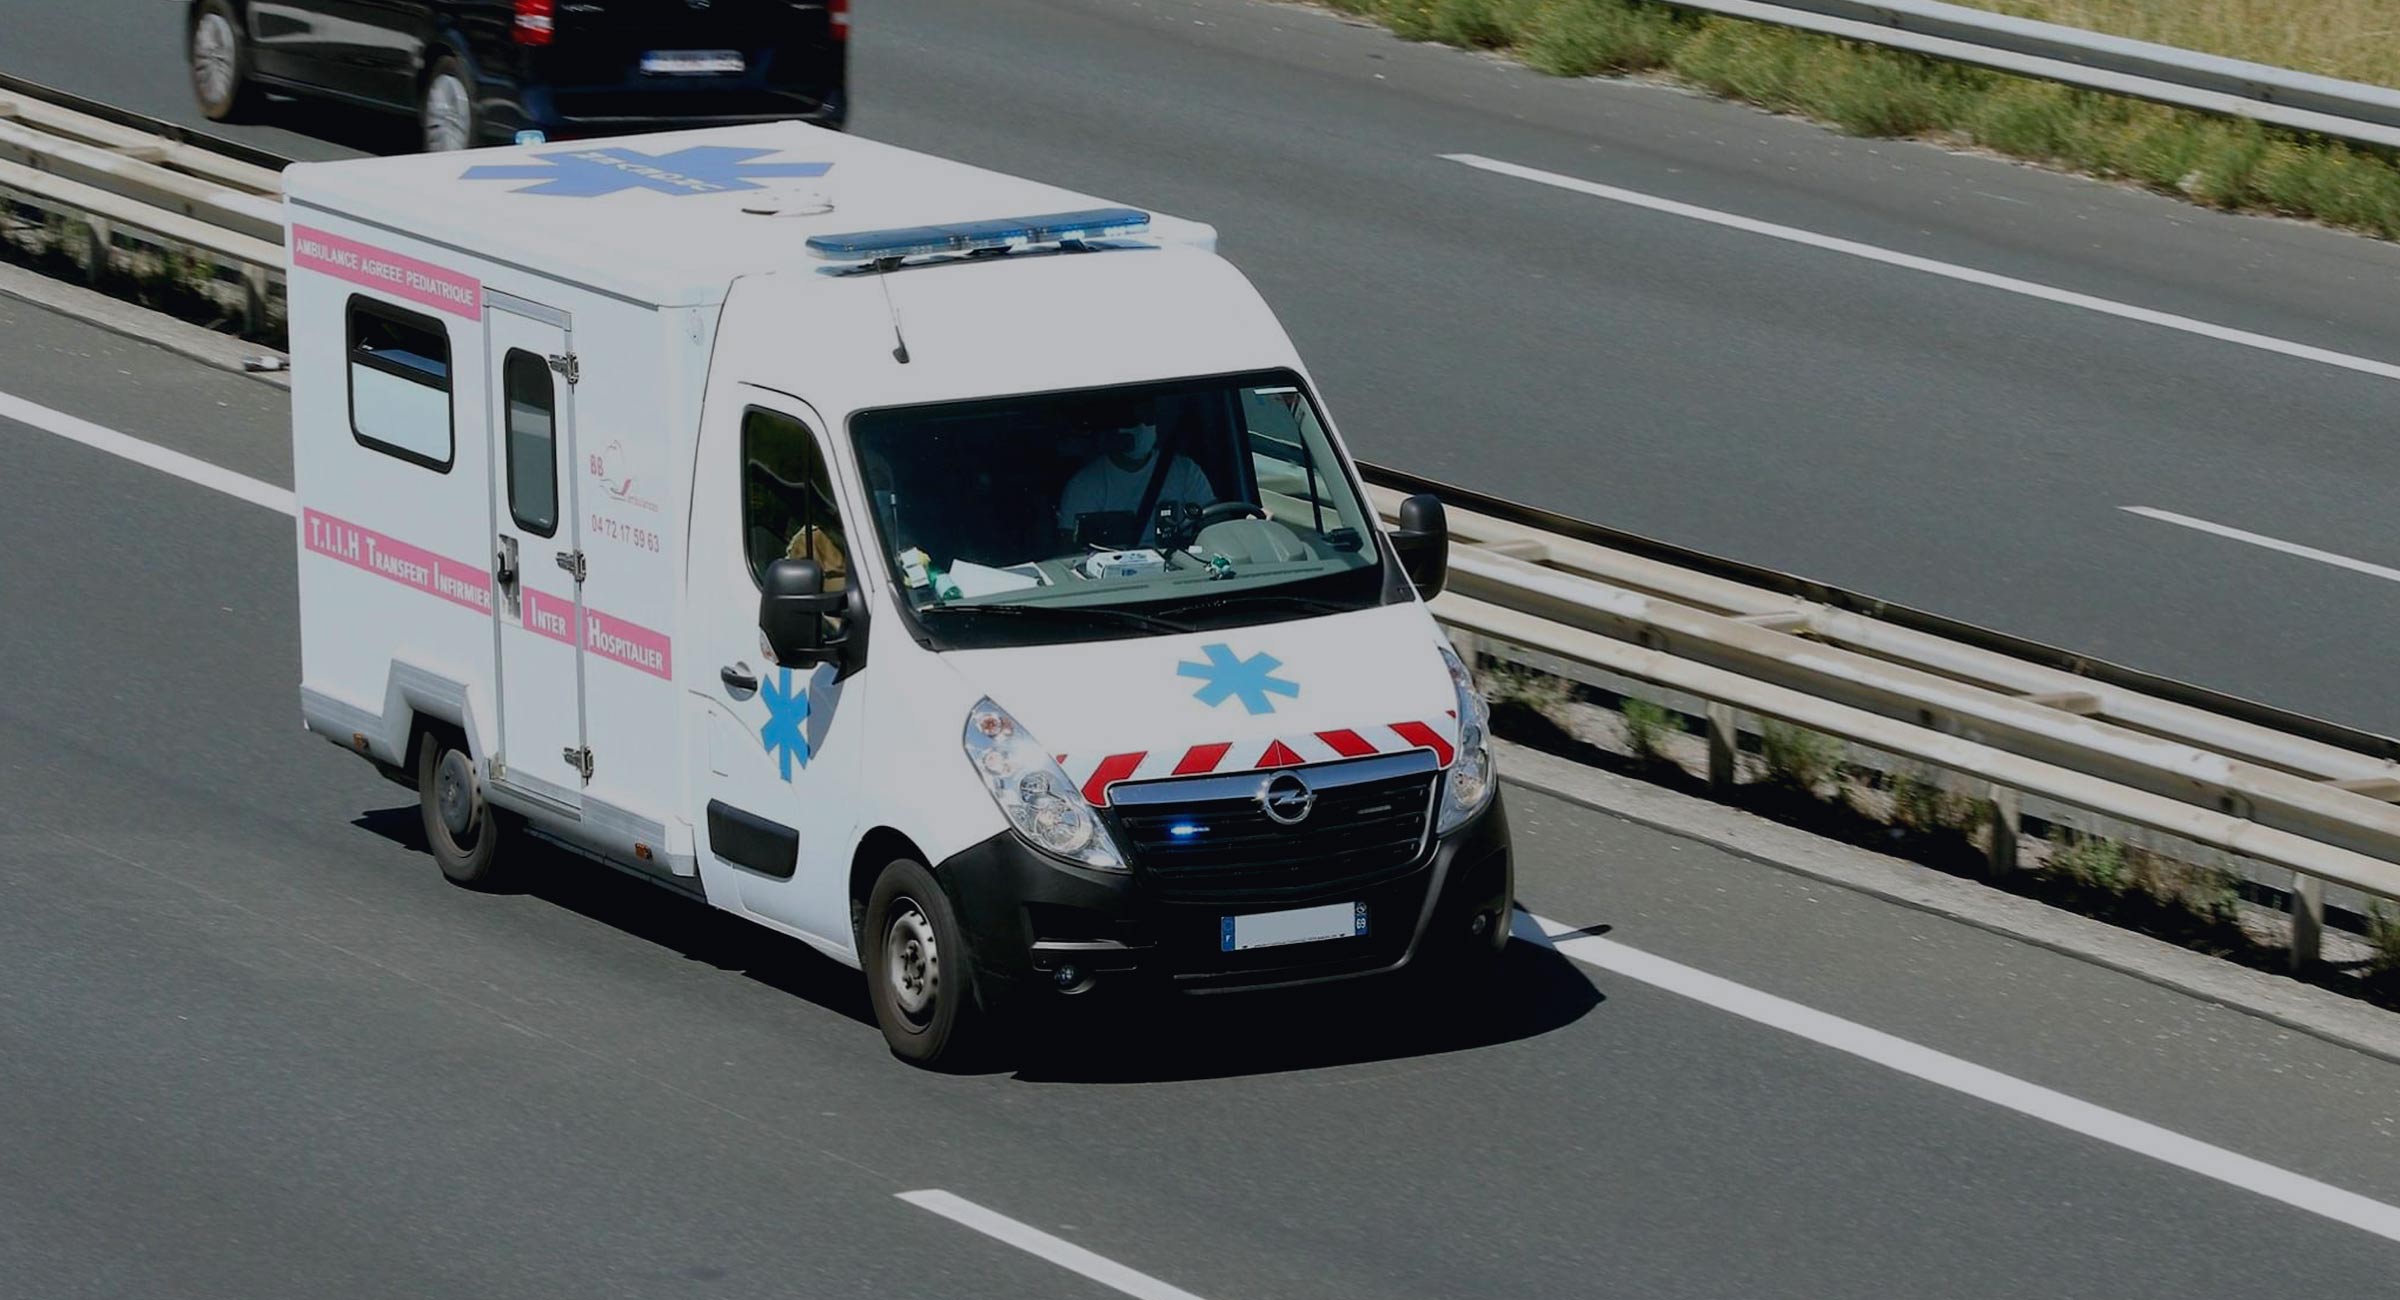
1117	512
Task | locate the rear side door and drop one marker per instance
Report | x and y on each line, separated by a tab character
538	565
288	39
370	49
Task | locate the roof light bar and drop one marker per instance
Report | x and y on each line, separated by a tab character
971	236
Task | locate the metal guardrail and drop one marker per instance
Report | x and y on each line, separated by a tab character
2303	795
121	179
2074	56
2231	775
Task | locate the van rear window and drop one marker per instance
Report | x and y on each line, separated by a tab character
400	384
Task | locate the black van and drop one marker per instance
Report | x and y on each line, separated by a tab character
477	72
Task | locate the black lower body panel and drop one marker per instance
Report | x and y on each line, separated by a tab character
1027	916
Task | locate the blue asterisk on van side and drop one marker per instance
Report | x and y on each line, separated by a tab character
786	732
595	173
1250	680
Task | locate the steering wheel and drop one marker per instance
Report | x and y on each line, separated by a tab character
1224	511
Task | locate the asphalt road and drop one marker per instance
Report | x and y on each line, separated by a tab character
252	1045
1932	442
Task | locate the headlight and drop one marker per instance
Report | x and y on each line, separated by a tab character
1032	791
1471	780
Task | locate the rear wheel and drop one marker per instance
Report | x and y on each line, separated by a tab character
220	63
446	110
917	969
462	830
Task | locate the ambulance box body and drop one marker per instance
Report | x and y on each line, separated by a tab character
951	571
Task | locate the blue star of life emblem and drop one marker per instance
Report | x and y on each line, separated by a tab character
786	732
1250	680
595	173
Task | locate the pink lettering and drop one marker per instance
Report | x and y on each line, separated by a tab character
613	639
404	277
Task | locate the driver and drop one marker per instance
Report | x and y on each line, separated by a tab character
1117	480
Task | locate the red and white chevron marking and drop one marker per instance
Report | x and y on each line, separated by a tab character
1094	774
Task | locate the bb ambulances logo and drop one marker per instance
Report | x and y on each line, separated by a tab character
598	173
614	467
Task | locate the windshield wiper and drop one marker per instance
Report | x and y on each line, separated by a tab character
1088	613
1310	603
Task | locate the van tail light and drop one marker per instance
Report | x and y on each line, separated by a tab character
537	22
837	18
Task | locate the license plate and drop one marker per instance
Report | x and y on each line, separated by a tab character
693	63
1300	925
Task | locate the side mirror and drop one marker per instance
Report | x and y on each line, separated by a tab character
1423	541
792	608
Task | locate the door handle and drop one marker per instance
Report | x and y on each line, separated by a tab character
504	563
738	677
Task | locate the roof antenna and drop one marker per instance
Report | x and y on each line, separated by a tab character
899	340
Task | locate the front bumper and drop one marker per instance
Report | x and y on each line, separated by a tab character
1027	915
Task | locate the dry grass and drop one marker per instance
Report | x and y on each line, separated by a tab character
2357	40
2232	164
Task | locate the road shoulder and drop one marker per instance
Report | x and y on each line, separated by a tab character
2316	1012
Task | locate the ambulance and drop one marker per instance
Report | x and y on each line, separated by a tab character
956	573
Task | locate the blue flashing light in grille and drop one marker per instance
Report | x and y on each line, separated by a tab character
1185	830
970	236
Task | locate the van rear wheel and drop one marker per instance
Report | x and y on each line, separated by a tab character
462	830
219	60
446	113
918	973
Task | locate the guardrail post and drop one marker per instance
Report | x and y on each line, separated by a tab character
2308	920
1465	643
254	305
2007	822
1724	744
99	254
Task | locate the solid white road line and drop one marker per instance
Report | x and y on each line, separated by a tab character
1940	1068
1946	270
1858	1040
189	468
2338	561
1034	1241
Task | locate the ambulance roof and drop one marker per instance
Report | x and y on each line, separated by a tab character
670	219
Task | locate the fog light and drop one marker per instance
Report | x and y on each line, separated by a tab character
1481	923
1068	977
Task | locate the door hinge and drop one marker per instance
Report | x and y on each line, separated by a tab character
566	364
579	758
573	563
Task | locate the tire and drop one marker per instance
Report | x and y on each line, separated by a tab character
462	830
918	973
446	117
218	59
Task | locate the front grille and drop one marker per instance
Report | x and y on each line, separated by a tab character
1368	825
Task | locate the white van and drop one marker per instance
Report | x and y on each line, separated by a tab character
954	572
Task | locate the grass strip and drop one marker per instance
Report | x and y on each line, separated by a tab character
2234	165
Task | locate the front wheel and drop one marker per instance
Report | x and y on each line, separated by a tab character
220	63
446	111
918	974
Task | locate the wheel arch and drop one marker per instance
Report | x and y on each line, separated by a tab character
241	13
876	850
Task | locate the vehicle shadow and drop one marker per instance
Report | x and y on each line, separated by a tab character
1104	1037
364	129
1099	1039
661	916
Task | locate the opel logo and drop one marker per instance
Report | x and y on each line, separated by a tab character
1286	799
